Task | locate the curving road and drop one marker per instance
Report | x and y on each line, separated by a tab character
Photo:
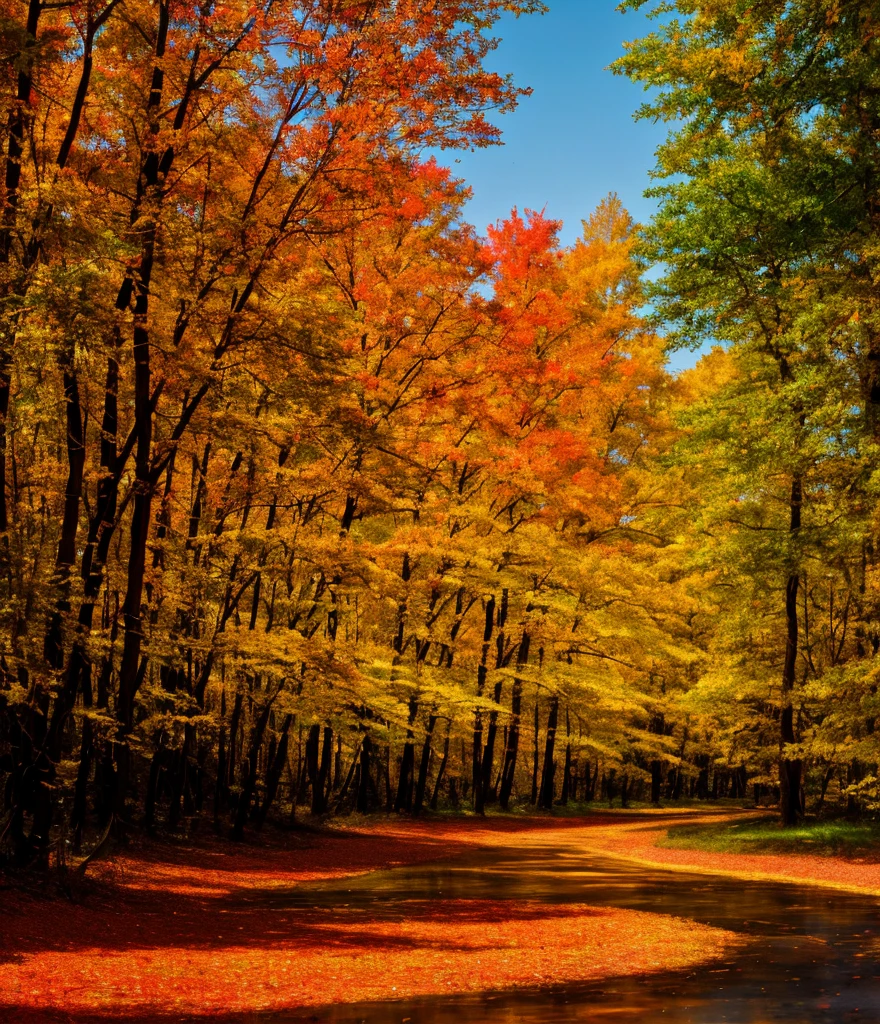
813	954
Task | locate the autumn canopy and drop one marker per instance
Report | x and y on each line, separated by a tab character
315	498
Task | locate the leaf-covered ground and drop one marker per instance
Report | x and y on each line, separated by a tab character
672	839
645	837
172	929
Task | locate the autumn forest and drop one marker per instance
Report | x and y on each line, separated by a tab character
317	501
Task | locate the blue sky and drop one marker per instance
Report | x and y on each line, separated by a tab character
574	139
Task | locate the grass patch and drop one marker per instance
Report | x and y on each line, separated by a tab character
758	835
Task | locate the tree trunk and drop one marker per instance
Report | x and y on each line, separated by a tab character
535	755
312	752
566	771
351	776
545	799
80	795
422	782
363	793
404	799
16	131
656	781
482	672
276	767
790	769
322	777
488	758
441	769
66	555
131	670
512	747
157	767
180	774
250	780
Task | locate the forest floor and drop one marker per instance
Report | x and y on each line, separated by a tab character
173	928
168	929
740	843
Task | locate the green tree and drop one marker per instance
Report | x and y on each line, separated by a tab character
767	230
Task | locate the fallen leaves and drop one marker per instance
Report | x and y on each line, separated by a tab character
202	930
638	840
344	955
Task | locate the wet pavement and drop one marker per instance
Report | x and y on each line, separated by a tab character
812	955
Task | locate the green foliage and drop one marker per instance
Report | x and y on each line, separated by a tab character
768	234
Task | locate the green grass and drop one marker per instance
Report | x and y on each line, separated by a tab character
761	835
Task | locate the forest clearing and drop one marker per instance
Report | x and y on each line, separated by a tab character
361	525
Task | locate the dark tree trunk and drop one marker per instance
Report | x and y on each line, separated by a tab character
157	767
351	777
66	555
53	646
565	795
313	745
703	778
131	669
591	777
363	789
15	131
548	773
790	768
656	781
424	764
180	774
386	772
441	770
233	739
404	799
274	772
250	781
220	787
27	774
322	777
535	755
511	751
487	764
826	779
566	771
80	794
482	672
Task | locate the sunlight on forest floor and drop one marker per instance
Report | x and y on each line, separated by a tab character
186	926
166	931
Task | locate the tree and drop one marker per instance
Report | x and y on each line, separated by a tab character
765	227
184	162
